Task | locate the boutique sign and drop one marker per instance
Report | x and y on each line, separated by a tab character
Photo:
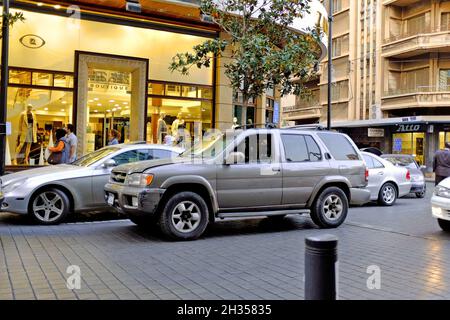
107	81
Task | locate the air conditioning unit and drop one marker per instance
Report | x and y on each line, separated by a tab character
133	6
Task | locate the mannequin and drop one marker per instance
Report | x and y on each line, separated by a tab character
235	123
162	128
27	133
177	123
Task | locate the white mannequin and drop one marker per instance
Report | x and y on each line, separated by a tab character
162	128
178	122
235	123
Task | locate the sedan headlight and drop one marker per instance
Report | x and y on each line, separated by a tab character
139	179
441	191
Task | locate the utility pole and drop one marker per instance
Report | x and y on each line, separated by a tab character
330	61
4	84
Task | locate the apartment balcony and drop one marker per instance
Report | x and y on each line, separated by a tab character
421	97
304	110
405	45
400	3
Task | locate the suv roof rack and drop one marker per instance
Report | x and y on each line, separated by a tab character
256	126
317	127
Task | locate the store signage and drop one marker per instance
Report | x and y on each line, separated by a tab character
106	80
397	145
276	112
375	132
411	128
32	41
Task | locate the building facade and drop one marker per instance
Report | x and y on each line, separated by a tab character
391	76
100	66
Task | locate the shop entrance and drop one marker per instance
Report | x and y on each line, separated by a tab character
111	96
412	143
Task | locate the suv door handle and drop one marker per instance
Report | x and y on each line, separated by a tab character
276	169
381	173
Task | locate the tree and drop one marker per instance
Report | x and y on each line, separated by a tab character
13	18
264	51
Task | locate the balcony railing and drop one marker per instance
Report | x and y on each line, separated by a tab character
418	89
423	30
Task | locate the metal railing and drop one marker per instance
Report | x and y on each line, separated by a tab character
423	30
418	90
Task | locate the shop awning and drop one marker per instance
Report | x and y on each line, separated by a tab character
391	121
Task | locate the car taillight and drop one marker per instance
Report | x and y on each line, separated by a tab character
408	175
367	175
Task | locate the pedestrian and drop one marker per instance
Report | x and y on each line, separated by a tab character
441	164
114	137
60	152
72	140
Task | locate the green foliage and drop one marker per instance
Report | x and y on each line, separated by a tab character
264	52
13	18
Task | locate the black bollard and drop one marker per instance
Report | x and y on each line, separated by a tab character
321	267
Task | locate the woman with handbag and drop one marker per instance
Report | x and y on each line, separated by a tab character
59	153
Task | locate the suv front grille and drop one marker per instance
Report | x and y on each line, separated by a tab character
118	177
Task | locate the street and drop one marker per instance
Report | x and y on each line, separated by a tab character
251	259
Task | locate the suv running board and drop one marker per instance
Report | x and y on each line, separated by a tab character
223	215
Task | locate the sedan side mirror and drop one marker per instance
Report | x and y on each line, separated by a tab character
235	158
109	163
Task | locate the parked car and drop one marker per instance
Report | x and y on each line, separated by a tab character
255	172
440	204
50	193
419	186
387	182
373	150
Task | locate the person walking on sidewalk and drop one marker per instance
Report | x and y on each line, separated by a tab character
72	140
441	164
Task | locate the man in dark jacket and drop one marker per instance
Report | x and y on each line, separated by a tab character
441	164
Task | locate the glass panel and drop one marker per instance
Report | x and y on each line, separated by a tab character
167	119
35	115
237	113
205	92
42	79
63	81
339	146
156	88
109	103
19	77
295	148
189	92
250	116
173	90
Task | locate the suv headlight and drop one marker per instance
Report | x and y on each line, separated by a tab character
139	179
441	191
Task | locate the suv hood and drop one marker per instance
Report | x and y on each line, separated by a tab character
141	166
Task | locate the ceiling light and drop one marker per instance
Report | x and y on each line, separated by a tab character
95	110
39	4
46	109
112	101
108	110
91	101
119	108
99	104
125	103
127	107
57	6
96	99
63	102
114	109
63	110
116	105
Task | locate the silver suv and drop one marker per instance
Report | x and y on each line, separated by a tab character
255	172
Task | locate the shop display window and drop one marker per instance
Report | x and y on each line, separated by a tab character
411	143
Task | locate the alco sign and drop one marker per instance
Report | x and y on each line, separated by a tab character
107	81
411	128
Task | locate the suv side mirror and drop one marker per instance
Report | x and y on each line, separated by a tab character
109	164
235	158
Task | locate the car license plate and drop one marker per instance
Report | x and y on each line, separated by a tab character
111	199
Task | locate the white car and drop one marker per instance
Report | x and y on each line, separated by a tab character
387	182
440	204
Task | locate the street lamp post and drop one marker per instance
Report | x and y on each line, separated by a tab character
330	61
4	84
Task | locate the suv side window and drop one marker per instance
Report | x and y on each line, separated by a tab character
339	146
313	149
295	147
256	148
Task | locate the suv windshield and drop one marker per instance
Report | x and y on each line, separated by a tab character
209	147
406	162
95	156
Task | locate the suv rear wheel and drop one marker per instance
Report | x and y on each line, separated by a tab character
184	217
330	208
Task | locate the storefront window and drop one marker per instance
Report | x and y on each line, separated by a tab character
244	114
410	143
35	114
166	117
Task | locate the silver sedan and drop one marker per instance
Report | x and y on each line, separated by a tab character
50	193
387	182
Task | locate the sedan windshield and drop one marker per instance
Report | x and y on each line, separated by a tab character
95	156
406	162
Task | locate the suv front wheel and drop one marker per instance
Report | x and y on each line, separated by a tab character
330	208
184	217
